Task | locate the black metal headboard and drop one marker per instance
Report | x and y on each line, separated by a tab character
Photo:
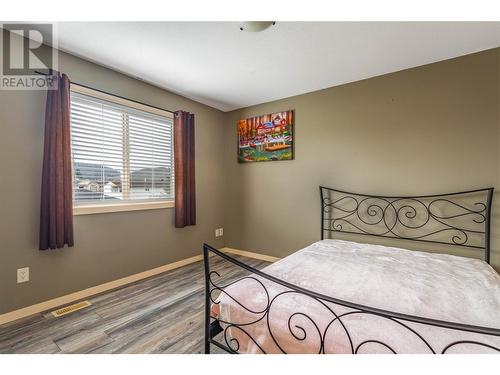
458	219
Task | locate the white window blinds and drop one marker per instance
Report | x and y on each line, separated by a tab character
120	153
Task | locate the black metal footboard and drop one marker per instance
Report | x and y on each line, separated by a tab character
284	318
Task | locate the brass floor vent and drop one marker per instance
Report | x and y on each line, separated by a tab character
71	308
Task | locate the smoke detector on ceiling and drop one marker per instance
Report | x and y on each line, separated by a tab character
255	26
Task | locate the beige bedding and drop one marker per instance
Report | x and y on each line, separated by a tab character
435	286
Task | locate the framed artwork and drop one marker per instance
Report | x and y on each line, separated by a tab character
266	138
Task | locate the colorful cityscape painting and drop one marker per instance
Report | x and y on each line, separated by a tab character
266	138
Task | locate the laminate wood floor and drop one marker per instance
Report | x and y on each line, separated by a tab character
162	314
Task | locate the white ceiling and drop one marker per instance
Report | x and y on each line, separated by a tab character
218	65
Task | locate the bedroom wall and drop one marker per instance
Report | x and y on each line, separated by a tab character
108	246
433	128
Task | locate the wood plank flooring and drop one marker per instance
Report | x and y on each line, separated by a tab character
162	314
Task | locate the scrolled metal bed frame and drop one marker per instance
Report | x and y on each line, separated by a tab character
457	219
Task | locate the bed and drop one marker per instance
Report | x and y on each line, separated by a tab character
339	296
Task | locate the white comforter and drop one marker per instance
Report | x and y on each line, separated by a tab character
436	286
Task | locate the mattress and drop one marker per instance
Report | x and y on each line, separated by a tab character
262	316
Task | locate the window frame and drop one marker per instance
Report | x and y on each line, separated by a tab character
97	208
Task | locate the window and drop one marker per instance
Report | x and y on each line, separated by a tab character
122	153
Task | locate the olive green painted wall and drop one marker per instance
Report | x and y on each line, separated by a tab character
429	129
108	246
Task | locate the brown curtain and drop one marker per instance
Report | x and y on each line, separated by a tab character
185	201
56	212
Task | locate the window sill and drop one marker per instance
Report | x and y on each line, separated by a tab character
120	207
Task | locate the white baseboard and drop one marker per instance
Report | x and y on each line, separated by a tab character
76	296
250	254
82	294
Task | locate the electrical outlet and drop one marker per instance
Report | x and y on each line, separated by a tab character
217	232
221	232
23	275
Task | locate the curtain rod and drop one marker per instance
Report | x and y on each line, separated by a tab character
118	96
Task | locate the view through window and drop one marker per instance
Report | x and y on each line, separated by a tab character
120	153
